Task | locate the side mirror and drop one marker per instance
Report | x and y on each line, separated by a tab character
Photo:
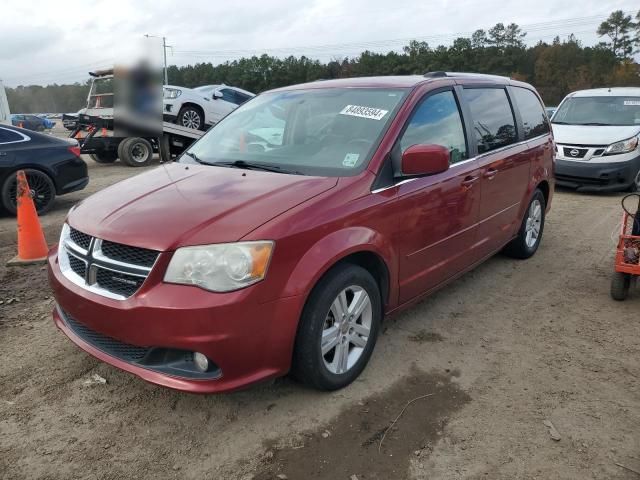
216	95
425	160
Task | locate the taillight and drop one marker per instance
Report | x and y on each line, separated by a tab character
75	150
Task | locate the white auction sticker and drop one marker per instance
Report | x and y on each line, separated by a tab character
632	102
350	159
364	112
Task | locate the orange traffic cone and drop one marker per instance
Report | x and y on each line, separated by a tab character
32	247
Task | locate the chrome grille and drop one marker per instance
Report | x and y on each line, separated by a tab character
78	266
127	254
81	239
106	268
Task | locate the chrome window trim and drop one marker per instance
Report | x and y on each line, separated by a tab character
25	138
477	157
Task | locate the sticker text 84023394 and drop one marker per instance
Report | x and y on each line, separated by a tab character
364	112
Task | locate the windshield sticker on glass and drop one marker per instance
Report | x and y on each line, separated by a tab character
364	112
350	159
632	102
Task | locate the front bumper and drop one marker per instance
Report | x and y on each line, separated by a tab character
246	340
587	176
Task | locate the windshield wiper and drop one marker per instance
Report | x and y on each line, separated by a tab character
256	166
597	124
560	123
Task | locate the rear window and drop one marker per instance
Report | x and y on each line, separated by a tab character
532	112
605	111
493	121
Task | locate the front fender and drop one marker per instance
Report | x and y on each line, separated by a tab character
329	250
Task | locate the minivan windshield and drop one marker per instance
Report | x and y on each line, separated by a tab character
316	131
606	111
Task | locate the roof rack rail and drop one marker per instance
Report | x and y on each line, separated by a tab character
439	74
436	74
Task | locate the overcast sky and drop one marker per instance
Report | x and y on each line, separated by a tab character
43	42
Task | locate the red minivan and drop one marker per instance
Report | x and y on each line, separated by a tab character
279	241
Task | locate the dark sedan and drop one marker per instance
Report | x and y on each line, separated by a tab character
53	166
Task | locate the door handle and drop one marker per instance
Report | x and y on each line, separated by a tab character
3	154
490	173
469	181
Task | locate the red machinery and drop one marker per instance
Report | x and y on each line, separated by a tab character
627	264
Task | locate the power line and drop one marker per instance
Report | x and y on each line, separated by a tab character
529	28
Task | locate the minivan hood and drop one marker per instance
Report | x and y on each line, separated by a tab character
592	134
179	204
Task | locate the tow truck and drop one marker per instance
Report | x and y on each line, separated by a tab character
98	137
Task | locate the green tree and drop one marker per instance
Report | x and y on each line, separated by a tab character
618	27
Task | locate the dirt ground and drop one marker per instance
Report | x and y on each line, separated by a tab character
486	360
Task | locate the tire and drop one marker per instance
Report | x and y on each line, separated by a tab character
530	233
191	117
331	371
104	157
620	283
42	189
136	152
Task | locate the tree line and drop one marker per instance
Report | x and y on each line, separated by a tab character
555	68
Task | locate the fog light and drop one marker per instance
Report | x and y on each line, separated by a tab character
201	361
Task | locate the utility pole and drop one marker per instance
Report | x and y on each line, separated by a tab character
164	51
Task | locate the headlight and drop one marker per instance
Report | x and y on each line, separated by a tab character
172	93
625	146
222	267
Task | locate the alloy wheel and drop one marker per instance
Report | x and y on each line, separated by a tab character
346	329
533	223
191	119
38	186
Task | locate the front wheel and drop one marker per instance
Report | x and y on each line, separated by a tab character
620	283
338	328
530	233
191	117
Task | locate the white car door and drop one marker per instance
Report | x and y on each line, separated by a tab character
223	102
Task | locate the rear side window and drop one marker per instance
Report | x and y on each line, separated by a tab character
7	136
437	121
532	112
493	121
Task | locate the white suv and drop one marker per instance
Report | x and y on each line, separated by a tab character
597	133
201	107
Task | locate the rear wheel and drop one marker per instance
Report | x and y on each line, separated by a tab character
43	191
338	328
136	152
104	157
620	283
530	233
